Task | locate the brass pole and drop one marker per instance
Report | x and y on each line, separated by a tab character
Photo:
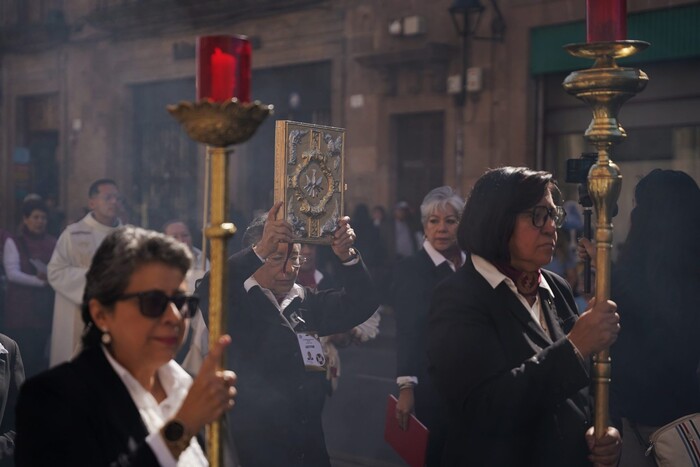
218	233
604	183
605	87
205	209
219	125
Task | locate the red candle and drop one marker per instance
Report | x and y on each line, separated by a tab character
223	68
606	20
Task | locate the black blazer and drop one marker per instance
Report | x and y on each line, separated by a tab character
414	281
516	397
80	414
11	378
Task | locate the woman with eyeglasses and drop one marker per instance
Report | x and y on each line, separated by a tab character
506	348
123	400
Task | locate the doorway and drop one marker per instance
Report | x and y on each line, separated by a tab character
419	142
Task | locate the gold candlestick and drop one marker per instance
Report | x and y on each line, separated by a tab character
219	126
605	87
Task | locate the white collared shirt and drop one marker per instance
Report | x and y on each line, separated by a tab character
494	277
438	258
176	383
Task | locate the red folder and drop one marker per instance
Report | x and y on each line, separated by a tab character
411	444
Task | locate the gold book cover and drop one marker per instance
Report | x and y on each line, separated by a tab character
309	178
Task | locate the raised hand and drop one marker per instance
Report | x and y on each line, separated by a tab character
596	329
276	231
211	393
343	239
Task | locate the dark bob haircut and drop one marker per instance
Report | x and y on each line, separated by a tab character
497	198
121	253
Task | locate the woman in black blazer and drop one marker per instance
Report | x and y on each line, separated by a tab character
414	280
123	400
505	346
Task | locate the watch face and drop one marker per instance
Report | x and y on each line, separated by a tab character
174	431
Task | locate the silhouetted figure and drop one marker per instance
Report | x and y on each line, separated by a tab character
655	361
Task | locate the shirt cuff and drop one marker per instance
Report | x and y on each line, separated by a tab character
160	450
262	260
352	262
401	380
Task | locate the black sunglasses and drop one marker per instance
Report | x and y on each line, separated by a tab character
153	303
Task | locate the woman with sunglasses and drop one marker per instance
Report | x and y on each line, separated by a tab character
123	400
506	348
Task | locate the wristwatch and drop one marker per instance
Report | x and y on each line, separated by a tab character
175	437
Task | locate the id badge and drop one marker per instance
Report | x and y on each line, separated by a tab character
311	351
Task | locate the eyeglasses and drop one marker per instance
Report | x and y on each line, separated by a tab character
540	214
153	303
278	260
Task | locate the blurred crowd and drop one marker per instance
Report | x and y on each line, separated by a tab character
493	328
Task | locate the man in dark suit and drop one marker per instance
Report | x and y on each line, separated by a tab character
275	325
11	378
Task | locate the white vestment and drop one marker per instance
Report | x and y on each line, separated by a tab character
66	273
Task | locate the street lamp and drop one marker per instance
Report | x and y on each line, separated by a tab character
466	16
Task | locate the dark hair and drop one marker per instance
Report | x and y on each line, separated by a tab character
29	206
95	186
253	233
498	196
660	256
122	252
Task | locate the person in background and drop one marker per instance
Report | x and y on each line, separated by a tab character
404	241
414	280
506	348
191	354
564	263
180	231
11	378
369	240
29	301
70	262
378	215
275	326
656	360
382	271
123	400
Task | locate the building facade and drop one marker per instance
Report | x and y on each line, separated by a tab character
85	84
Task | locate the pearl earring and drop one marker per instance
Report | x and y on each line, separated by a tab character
106	337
